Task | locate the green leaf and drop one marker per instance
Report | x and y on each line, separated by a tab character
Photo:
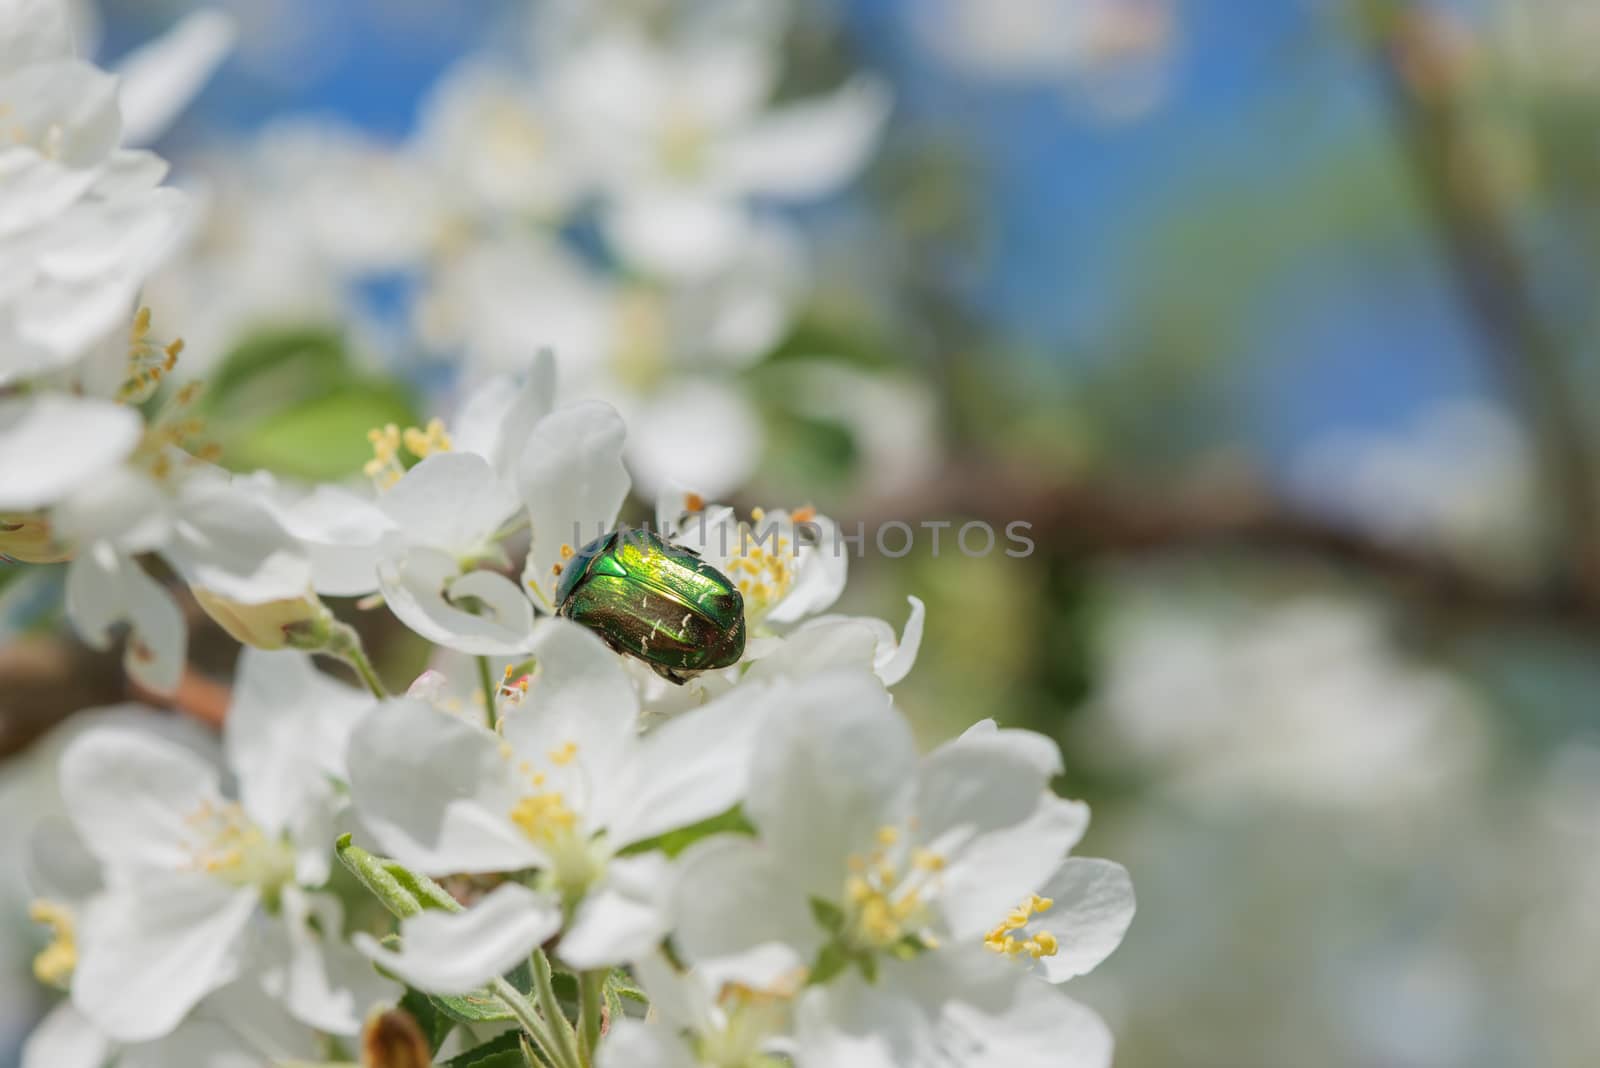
402	891
672	843
435	1025
504	1051
321	438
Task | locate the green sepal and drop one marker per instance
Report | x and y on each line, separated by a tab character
406	893
828	915
504	1051
402	891
832	960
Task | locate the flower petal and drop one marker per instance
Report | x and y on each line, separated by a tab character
738	916
997	871
51	445
286	735
105	588
808	149
572	483
690	768
230	543
451	501
159	78
64	1039
325	983
422	587
622	919
130	794
150	951
832	761
458	952
1093	907
820	573
580	695
497	419
637	1044
435	791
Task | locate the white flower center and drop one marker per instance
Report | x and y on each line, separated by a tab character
226	843
545	815
888	891
764	563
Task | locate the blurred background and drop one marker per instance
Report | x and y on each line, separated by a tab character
1276	321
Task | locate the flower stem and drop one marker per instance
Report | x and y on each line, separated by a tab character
486	680
591	1008
346	645
532	1023
567	1046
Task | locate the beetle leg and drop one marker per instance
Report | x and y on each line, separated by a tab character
670	675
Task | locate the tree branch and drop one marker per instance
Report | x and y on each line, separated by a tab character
1422	81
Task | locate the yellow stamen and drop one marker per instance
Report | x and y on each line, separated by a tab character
56	962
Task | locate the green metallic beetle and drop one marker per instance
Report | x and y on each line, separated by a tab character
656	601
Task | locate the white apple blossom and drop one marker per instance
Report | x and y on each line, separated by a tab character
565	785
919	875
685	142
82	220
200	890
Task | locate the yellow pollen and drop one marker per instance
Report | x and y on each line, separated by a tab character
693	502
148	361
567	551
56	962
1003	938
425	442
385	468
888	836
804	515
543	816
927	860
565	755
758	514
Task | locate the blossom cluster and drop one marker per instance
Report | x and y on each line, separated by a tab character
559	832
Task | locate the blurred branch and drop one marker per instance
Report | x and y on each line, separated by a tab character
1423	76
1107	521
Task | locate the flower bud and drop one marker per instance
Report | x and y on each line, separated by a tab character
393	1040
295	623
28	539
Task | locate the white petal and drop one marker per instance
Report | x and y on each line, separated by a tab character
636	1044
51	445
982	783
130	793
846	641
739	916
435	791
161	77
105	588
833	758
64	1039
326	984
809	149
452	501
231	544
1093	907
820	573
497	419
970	1008
124	506
622	919
421	587
996	872
458	952
573	483
579	694
343	534
286	734
679	233
718	449
690	768
149	952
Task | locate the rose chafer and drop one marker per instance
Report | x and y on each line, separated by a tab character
659	602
